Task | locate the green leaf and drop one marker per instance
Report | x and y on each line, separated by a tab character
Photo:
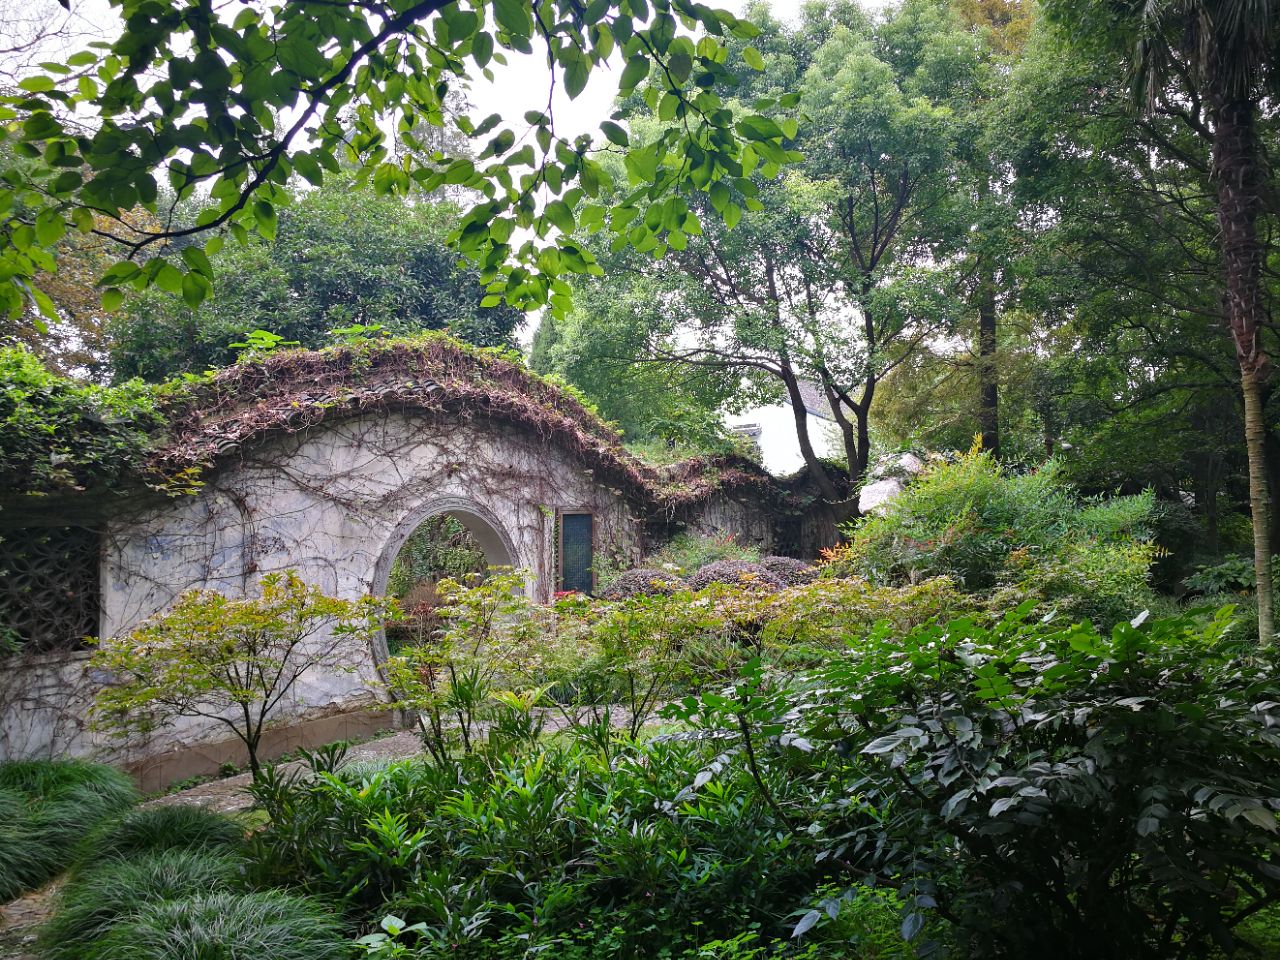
482	48
112	298
576	72
752	56
50	227
265	216
636	70
759	128
615	134
680	66
169	278
558	212
194	289
514	16
37	84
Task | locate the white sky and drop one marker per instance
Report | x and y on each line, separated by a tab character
522	85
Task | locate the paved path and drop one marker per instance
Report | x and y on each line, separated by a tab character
228	795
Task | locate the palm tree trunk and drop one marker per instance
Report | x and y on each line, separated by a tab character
1260	503
1235	160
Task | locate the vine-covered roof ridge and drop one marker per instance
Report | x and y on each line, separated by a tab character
290	391
198	424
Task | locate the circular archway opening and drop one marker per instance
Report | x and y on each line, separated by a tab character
445	544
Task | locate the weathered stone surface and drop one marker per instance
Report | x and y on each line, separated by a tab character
335	502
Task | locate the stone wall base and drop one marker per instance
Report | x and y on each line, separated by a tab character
158	772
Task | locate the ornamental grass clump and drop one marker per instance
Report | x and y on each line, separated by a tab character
154	829
45	807
266	925
92	904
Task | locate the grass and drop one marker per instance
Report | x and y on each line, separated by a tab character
45	808
269	924
94	903
159	828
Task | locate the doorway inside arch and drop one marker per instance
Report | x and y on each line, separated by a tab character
450	544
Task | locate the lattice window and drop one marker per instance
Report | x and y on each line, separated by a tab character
48	588
577	552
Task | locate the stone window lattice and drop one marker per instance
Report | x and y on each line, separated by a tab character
48	588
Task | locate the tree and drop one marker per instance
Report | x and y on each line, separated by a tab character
838	269
231	661
1221	54
342	257
615	320
236	109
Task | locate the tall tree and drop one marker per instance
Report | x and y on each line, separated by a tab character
342	257
1222	54
831	274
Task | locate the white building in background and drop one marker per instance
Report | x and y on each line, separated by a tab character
773	428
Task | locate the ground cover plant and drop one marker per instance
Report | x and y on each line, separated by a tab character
170	883
157	829
105	895
45	808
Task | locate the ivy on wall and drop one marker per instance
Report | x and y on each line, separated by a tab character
61	439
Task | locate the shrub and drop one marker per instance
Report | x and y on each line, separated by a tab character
169	827
688	552
790	571
1039	783
45	807
231	660
488	640
834	615
535	849
91	904
1026	533
1235	574
643	581
736	572
267	924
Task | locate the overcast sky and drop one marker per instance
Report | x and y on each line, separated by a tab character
523	84
520	86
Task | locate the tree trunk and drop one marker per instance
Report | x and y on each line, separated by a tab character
816	470
1260	503
989	385
1235	161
